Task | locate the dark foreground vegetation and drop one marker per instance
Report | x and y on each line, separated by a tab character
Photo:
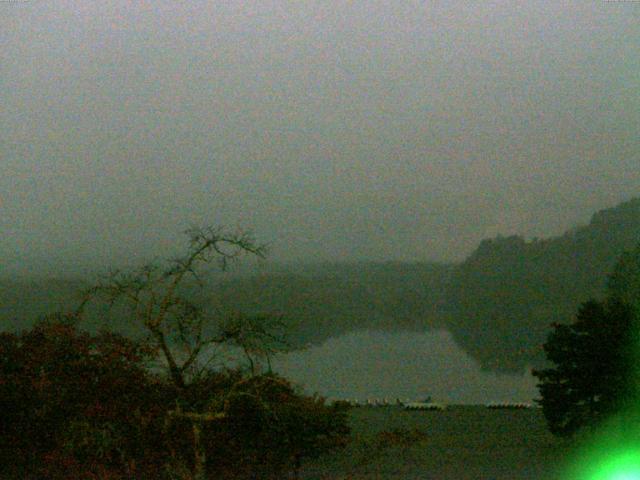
77	405
81	406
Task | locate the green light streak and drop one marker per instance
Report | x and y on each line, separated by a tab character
621	466
612	453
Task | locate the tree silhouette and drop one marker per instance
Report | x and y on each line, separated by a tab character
595	371
181	331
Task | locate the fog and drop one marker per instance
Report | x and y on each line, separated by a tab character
334	130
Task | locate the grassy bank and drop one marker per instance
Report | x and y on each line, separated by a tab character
462	442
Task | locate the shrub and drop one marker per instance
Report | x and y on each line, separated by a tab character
76	405
270	428
76	398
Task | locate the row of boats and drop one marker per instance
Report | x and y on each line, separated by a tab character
430	405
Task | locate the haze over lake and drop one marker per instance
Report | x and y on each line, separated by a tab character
407	365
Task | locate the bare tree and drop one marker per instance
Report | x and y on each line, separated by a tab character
175	325
182	332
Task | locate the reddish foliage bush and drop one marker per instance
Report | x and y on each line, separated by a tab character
70	399
83	406
270	428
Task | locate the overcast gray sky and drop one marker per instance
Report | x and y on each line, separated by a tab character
404	130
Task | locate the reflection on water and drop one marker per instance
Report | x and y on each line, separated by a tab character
406	365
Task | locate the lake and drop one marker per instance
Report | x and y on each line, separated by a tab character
407	365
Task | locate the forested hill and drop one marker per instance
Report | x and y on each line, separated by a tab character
318	301
498	303
324	300
501	300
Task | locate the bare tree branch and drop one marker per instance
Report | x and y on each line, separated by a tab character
151	294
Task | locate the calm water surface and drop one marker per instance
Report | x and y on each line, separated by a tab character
406	365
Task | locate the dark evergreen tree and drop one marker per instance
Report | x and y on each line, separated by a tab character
595	371
594	361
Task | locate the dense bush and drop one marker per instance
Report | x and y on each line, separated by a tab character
266	430
270	428
81	406
76	403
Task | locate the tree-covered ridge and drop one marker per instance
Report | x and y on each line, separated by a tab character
503	297
317	301
327	300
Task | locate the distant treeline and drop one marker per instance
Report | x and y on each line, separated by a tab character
317	301
498	303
